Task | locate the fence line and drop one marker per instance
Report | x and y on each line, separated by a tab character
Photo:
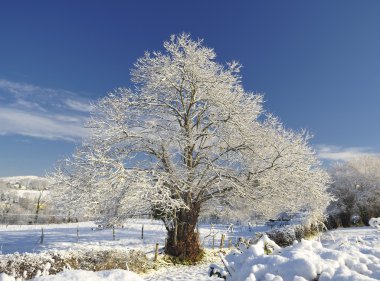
40	215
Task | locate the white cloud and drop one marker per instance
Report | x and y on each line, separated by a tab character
28	104
18	88
78	105
337	153
42	112
14	121
31	95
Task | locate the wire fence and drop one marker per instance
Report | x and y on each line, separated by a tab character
151	234
30	218
212	236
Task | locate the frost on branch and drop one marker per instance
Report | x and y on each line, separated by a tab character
188	133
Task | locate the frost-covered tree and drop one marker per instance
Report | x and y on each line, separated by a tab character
186	134
356	186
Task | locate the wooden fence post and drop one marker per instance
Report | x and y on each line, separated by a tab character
42	235
113	232
213	241
142	232
221	242
156	253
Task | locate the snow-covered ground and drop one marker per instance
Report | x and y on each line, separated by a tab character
358	249
27	238
82	275
351	254
181	273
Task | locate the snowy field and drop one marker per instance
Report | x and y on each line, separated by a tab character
354	251
27	238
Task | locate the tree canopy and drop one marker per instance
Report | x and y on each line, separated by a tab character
185	134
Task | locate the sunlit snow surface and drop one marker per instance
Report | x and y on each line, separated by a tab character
356	250
27	238
351	254
83	275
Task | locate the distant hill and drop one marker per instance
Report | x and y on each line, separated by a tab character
24	182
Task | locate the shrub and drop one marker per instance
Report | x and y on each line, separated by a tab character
29	265
285	236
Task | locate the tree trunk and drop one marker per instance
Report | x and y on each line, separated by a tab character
38	207
183	239
346	219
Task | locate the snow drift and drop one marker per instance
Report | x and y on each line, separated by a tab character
305	260
374	222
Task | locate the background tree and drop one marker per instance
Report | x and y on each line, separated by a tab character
356	186
188	133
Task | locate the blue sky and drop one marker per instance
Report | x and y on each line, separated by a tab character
316	62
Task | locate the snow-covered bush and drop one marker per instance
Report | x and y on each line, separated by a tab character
374	222
286	235
303	261
30	265
356	186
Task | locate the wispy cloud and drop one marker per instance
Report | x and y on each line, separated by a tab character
47	113
337	153
15	121
78	105
17	88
